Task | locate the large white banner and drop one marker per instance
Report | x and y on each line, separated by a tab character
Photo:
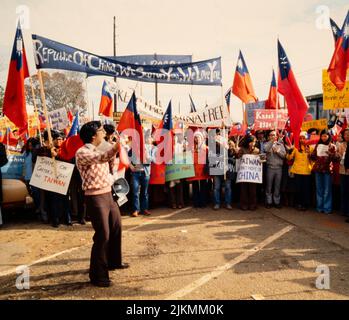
52	175
250	169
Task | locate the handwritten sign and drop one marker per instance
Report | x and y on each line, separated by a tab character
270	119
315	124
182	169
59	119
333	98
250	169
322	150
52	175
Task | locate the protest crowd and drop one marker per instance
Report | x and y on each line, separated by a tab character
87	170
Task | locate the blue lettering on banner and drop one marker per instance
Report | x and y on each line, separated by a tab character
50	54
14	168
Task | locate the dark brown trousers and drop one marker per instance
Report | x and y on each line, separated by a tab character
248	196
106	249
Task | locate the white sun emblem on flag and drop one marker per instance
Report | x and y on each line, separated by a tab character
346	31
334	30
240	65
19	45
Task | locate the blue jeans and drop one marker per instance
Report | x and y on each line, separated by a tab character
218	181
140	201
345	194
323	192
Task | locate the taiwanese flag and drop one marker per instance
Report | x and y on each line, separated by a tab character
163	136
272	102
1	137
106	105
228	98
238	130
340	60
131	120
288	87
14	106
242	86
75	127
335	31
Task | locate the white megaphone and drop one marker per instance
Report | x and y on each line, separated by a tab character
120	189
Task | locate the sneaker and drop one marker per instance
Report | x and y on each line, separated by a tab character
82	222
229	207
102	284
134	214
146	213
216	207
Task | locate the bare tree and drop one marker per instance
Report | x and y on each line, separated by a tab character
62	89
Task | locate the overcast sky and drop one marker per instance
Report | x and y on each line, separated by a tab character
204	28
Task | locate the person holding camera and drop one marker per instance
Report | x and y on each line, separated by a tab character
276	153
95	168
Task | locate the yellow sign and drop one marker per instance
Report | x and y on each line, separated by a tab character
333	98
315	124
33	123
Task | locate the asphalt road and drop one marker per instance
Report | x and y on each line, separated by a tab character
187	254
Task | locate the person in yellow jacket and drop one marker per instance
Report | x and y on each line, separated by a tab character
301	168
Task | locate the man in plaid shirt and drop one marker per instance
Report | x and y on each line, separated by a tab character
95	167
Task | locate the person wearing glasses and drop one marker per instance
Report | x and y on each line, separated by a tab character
276	154
95	167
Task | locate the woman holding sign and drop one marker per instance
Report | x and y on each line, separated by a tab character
324	155
248	191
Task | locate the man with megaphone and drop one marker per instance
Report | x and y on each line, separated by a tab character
95	167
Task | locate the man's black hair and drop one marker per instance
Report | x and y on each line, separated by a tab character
89	130
109	129
55	134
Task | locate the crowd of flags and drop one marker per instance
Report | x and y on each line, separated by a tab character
14	106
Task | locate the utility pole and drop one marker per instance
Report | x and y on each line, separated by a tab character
114	40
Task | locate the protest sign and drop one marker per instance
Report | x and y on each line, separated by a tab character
315	124
250	108
182	168
52	175
59	119
250	169
322	150
333	98
14	168
270	119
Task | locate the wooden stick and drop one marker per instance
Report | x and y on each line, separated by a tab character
35	108
48	123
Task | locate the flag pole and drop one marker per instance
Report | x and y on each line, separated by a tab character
35	108
223	134
48	122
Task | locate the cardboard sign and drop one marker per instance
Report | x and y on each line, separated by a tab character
182	169
250	169
59	119
322	150
315	124
270	119
52	175
333	98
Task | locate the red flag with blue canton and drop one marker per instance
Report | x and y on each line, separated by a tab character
131	119
242	86
336	31
273	102
288	87
340	61
106	105
14	106
75	127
